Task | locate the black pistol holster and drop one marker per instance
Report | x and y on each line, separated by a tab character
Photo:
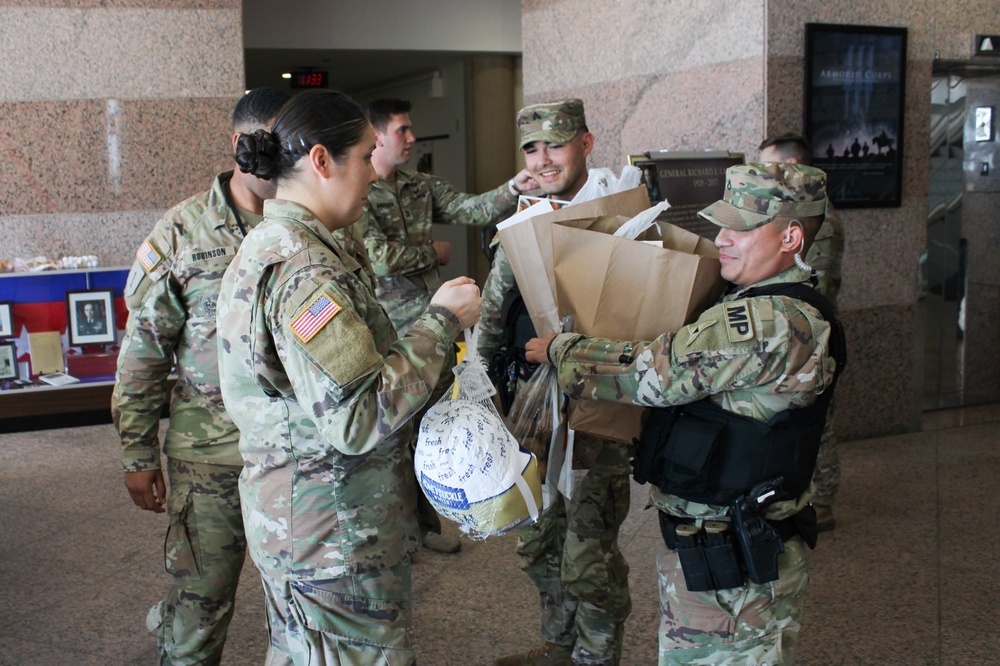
703	453
718	555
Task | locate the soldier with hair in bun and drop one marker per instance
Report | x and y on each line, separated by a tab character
324	394
749	381
171	295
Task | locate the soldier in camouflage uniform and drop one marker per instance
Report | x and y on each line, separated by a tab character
171	295
571	554
324	394
780	361
397	231
397	220
825	256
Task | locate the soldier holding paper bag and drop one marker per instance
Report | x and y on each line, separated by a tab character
762	361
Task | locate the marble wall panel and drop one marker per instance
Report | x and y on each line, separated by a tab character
129	53
113	236
101	155
714	107
571	45
956	22
678	35
786	21
880	254
874	397
121	4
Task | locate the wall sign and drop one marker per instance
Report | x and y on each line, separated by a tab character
689	181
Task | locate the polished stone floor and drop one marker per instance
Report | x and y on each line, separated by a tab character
908	576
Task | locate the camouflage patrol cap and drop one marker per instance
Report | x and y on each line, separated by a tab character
758	192
553	122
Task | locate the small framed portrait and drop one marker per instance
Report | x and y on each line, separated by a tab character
8	361
984	123
6	320
91	319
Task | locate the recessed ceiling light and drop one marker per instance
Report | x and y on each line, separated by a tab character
286	75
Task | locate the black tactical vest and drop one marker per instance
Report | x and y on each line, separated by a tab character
703	453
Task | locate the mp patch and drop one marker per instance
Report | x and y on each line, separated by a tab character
311	321
738	323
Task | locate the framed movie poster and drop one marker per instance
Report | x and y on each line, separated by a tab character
91	318
854	92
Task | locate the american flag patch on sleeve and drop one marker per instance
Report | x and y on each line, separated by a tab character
309	322
148	256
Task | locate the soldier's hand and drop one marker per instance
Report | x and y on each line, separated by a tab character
461	296
536	350
523	181
442	249
147	489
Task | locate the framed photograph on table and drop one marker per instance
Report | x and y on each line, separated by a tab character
855	86
8	361
6	320
91	317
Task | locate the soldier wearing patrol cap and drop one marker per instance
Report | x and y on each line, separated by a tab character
764	351
171	295
571	554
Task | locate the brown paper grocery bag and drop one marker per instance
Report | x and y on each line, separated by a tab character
528	246
629	290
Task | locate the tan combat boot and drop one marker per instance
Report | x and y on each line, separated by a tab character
549	654
442	543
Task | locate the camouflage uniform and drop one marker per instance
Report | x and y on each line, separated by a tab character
782	364
324	393
171	295
396	227
825	256
572	553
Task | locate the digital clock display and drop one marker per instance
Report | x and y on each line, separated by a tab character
309	79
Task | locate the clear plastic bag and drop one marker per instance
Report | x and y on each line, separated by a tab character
470	467
535	415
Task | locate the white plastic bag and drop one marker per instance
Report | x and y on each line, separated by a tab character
602	182
468	464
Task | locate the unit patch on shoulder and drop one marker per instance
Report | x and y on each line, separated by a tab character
738	323
311	320
695	329
148	256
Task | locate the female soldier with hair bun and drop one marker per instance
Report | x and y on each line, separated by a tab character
323	392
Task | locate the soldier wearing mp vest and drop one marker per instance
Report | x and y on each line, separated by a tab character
763	356
171	295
